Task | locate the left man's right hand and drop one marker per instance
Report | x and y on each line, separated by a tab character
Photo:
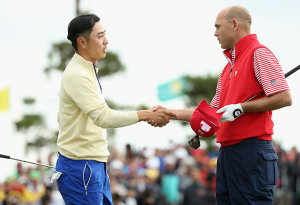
167	115
160	117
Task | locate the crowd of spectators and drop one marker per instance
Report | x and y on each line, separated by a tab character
30	185
178	175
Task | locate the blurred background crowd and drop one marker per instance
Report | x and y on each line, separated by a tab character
175	175
178	175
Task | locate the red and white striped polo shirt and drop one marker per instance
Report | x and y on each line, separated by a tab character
268	72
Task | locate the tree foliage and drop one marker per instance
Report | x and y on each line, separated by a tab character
29	120
200	88
59	56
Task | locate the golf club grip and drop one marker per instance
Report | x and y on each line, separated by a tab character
292	71
4	156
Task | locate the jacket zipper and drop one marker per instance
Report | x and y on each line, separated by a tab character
233	59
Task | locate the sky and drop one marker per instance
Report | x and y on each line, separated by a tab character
157	41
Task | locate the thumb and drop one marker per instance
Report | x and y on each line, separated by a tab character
223	109
155	108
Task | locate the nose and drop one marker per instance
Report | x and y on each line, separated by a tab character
105	41
216	33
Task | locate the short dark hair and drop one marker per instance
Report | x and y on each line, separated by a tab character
81	26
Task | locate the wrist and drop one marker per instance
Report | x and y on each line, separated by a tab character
238	111
143	115
241	107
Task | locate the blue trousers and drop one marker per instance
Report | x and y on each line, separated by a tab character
83	182
246	173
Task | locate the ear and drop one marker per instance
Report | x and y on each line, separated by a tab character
235	24
81	42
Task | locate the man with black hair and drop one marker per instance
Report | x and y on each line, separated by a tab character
83	116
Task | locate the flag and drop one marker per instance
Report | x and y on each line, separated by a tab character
172	89
4	99
275	82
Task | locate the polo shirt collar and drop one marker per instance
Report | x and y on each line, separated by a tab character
85	63
243	43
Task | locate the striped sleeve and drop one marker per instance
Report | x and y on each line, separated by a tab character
268	72
215	101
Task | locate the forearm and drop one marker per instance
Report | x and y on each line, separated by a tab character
268	103
182	114
114	119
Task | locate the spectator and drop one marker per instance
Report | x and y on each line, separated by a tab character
170	181
197	193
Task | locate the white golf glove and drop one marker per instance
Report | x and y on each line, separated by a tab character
231	112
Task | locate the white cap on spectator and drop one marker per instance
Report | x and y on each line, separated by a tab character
181	153
189	161
116	164
169	159
153	162
148	152
120	189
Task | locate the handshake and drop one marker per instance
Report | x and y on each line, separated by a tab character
157	116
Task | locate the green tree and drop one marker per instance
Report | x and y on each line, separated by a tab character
32	125
199	88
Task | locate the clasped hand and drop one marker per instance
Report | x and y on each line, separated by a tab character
161	116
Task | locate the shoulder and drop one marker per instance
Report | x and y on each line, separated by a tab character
264	54
262	50
75	79
74	70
